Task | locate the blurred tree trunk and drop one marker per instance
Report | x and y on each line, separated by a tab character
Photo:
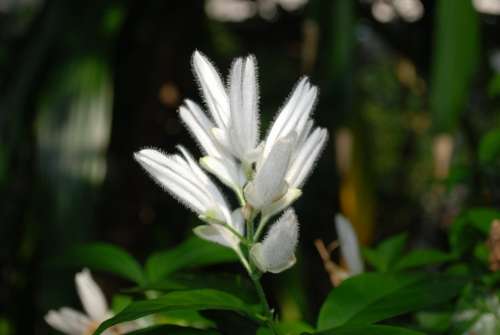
21	228
152	76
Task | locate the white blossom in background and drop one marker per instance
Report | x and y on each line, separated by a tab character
491	7
484	317
72	322
349	245
240	10
276	252
388	10
267	174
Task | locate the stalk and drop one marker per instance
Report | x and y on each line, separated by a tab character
263	301
260	228
253	273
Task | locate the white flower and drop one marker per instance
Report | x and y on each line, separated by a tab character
235	113
244	120
294	126
269	184
349	245
186	181
286	157
276	252
294	116
213	90
306	155
218	161
72	322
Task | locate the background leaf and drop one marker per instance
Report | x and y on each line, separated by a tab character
172	330
470	227
422	257
386	253
370	330
489	147
229	283
104	257
373	297
181	300
194	252
288	328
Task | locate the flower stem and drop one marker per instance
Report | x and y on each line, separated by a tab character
260	228
264	303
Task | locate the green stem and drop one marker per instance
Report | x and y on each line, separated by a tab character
263	301
243	260
249	229
260	228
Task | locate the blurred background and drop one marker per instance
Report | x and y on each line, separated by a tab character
409	89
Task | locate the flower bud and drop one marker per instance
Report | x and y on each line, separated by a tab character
276	252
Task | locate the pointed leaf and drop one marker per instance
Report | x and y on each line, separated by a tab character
386	253
373	297
183	300
287	328
371	330
194	252
172	330
422	257
104	257
229	283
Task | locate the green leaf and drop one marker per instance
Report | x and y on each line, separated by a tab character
181	300
288	328
229	283
489	147
481	218
471	227
373	297
104	257
172	330
386	253
119	302
422	257
494	86
369	330
435	322
194	252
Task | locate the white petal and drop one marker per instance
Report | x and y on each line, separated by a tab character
216	234
303	164
276	253
226	171
212	88
218	202
289	198
91	296
294	115
172	173
68	321
349	246
304	135
200	127
244	110
269	184
223	139
238	222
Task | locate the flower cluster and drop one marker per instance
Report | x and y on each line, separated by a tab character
266	174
